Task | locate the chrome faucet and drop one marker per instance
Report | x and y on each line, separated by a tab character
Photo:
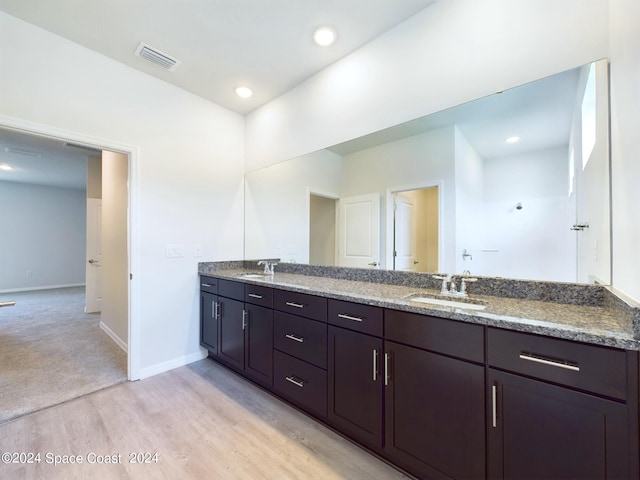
449	284
268	266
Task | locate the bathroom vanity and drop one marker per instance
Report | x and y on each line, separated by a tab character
533	384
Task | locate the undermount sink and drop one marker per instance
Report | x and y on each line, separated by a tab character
464	304
254	275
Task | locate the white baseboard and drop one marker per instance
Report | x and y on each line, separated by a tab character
122	344
45	287
171	364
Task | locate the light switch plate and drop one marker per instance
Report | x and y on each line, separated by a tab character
175	251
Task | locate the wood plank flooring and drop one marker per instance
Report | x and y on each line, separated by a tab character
203	422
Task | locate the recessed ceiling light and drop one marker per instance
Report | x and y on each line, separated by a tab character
513	139
244	92
5	166
324	36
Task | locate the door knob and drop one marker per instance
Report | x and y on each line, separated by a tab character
373	264
91	260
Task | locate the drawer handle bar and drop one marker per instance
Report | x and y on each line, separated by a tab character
544	361
297	305
494	406
255	295
292	379
205	284
375	364
349	317
291	336
244	319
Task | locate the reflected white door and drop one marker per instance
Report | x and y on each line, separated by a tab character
93	292
405	233
359	231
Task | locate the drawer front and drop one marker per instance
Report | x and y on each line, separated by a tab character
208	284
301	338
258	295
449	337
300	382
231	289
355	316
301	304
587	367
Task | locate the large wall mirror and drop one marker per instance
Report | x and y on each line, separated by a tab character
512	185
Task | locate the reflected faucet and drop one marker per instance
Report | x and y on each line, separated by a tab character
268	266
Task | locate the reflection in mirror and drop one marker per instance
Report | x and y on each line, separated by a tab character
512	185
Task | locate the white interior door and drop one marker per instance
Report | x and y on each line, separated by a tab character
405	233
93	268
359	231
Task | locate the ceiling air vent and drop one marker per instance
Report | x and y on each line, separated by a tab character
154	55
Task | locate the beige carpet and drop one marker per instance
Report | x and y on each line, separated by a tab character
51	351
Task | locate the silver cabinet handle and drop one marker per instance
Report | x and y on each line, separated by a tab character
386	369
494	406
349	317
9	303
244	319
375	364
214	307
255	295
292	379
552	363
202	284
297	305
291	336
218	309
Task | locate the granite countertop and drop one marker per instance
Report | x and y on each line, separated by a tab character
596	324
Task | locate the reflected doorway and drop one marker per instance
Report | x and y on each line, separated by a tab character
322	230
415	230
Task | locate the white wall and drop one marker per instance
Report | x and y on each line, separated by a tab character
187	172
277	205
470	227
42	236
535	241
458	50
451	52
115	258
407	164
624	54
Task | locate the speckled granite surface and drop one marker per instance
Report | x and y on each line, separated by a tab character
585	313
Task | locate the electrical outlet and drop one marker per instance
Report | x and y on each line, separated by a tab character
29	273
175	251
197	250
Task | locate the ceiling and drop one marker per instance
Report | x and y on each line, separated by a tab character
263	44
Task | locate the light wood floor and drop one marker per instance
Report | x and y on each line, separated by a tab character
203	421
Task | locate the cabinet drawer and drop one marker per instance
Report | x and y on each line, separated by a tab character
301	304
450	337
301	337
300	382
355	316
231	289
258	295
596	369
208	284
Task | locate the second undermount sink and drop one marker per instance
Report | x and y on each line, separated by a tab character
254	275
443	302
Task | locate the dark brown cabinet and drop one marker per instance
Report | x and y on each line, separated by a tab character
434	402
355	385
434	413
245	330
561	410
209	322
300	355
543	431
439	398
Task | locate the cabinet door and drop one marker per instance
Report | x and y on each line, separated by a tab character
258	359
231	333
435	423
538	430
355	385
209	322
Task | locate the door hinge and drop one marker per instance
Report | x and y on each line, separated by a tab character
131	276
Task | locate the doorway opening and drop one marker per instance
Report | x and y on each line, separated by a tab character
322	230
114	314
415	230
